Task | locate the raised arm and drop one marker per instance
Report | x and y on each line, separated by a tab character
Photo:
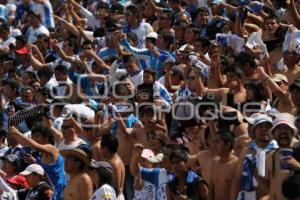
138	53
134	163
23	140
294	12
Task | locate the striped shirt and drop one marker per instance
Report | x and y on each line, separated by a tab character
154	62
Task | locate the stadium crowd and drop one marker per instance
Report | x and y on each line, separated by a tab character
150	99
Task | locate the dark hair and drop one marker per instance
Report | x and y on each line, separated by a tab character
180	154
61	68
12	71
170	14
22	39
228	138
24	89
88	42
121	90
194	28
3	133
181	23
110	142
129	59
46	72
44	132
134	11
258	89
272	17
291	187
132	36
204	41
245	58
151	72
44	91
105	176
167	36
31	75
201	10
103	5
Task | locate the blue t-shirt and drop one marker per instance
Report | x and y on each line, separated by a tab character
130	122
159	178
56	173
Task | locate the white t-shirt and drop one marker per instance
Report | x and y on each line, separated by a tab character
142	31
6	43
137	79
32	34
46	12
64	146
146	193
105	192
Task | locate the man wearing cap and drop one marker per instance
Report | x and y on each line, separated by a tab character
77	161
285	103
291	58
24	59
252	160
280	162
39	185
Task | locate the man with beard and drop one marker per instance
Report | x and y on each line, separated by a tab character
252	160
280	162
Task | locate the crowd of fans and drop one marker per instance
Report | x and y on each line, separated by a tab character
150	99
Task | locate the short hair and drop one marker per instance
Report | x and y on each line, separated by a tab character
110	142
27	88
245	58
129	59
194	28
167	36
228	138
180	153
134	11
204	41
44	91
61	68
31	75
44	132
201	10
151	72
46	72
22	39
181	23
103	5
272	17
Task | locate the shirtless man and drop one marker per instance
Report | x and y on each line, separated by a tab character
195	132
291	60
258	148
223	168
204	159
278	165
80	185
109	148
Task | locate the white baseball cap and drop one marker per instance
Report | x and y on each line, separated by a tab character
152	35
33	168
